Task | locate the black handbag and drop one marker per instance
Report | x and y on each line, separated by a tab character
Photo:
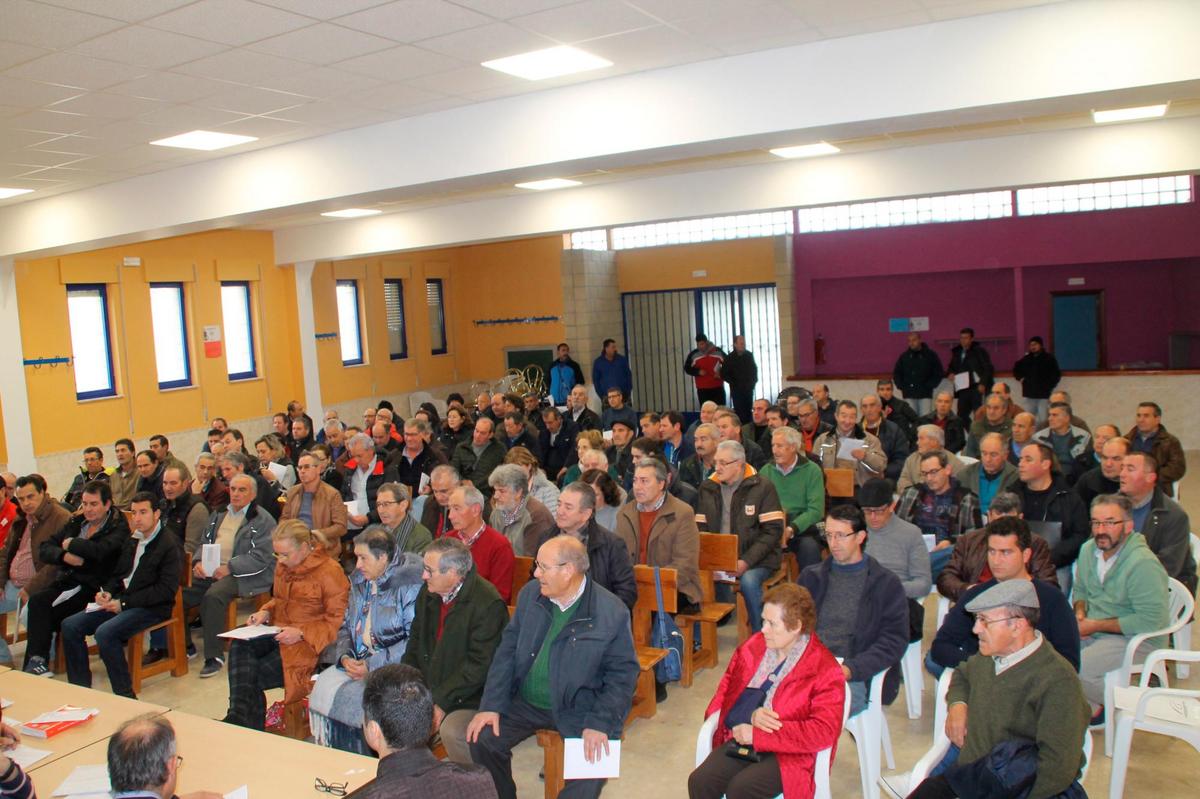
742	751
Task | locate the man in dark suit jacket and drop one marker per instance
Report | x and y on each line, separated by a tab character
557	442
140	592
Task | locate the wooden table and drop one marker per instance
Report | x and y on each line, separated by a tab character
221	757
31	696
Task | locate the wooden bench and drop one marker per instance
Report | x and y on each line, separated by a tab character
295	721
645	704
552	761
839	483
522	573
718	552
176	660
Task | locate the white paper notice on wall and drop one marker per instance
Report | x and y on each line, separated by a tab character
918	323
212	332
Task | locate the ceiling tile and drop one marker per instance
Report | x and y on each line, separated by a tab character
670	10
112	106
819	13
17	138
12	54
43	158
394	97
727	27
127	133
260	127
233	22
127	10
487	42
30	94
857	27
147	47
585	20
187	117
71	69
334	111
322	9
321	83
399	63
50	27
86	145
50	121
170	86
651	48
241	66
507	9
413	20
322	44
466	80
250	100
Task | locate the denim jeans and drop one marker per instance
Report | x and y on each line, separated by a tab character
751	584
938	559
932	666
922	405
112	632
1038	407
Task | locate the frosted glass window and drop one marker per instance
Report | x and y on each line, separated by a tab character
169	324
91	348
239	330
349	328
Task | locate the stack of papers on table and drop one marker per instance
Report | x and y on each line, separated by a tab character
89	781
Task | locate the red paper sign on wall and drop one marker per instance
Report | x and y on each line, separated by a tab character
212	341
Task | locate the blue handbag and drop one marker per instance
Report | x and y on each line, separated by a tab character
665	635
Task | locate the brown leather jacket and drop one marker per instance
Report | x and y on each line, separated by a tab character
312	597
51	518
969	558
328	512
674	542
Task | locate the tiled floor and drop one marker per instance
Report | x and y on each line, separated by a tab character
658	753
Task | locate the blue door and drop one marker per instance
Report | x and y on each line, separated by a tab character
1077	330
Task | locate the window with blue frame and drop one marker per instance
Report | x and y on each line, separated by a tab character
435	298
349	326
168	321
239	330
91	345
393	300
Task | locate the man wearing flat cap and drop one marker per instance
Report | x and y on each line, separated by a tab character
1015	710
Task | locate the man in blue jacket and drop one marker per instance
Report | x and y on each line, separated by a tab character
611	370
566	662
564	374
862	613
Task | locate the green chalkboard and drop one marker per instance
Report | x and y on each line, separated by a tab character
537	356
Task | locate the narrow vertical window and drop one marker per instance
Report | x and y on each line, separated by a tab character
239	330
349	328
169	324
436	300
393	300
91	346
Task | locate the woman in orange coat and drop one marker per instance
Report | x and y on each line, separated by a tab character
780	702
309	601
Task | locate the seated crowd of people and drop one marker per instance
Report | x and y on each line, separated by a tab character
384	554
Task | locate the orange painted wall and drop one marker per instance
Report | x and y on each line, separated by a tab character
727	263
200	261
502	280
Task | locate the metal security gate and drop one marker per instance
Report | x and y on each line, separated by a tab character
661	327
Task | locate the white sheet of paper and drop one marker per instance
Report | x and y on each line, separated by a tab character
25	756
73	714
210	558
65	595
608	435
239	793
250	631
962	381
92	607
848	445
930	541
277	469
84	780
423	484
576	767
351	507
5	703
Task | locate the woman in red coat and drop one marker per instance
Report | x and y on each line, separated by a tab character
782	696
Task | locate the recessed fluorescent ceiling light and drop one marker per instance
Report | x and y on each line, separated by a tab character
350	213
548	63
806	150
204	140
1129	114
550	183
6	193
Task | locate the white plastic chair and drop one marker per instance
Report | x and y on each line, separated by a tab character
914	678
869	729
1166	711
1183	638
820	768
899	786
943	607
967	460
1181	604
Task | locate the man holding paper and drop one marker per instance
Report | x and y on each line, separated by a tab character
139	592
848	446
571	634
234	560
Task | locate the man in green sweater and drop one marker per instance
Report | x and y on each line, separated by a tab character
1018	688
800	484
1120	591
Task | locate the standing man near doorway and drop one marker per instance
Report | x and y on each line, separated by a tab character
917	373
704	364
611	370
564	375
1038	374
971	365
741	373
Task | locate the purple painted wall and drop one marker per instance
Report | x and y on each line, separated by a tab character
996	276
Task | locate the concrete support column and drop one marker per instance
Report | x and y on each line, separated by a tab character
308	342
785	292
18	432
591	305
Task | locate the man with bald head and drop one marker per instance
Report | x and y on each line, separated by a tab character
1011	407
1105	478
566	662
995	420
943	416
1024	425
242	533
992	475
930	438
143	760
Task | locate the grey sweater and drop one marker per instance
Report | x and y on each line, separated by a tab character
899	547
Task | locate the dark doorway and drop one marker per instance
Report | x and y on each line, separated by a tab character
1077	325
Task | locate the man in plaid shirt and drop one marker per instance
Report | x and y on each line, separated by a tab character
941	507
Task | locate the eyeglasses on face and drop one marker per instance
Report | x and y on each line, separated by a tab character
1107	524
545	567
990	622
837	536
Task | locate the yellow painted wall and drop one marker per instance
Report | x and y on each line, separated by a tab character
140	409
3	440
502	280
728	263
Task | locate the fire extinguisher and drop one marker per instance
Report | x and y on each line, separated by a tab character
819	350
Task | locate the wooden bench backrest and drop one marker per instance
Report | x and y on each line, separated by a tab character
522	573
839	483
647	602
718	552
